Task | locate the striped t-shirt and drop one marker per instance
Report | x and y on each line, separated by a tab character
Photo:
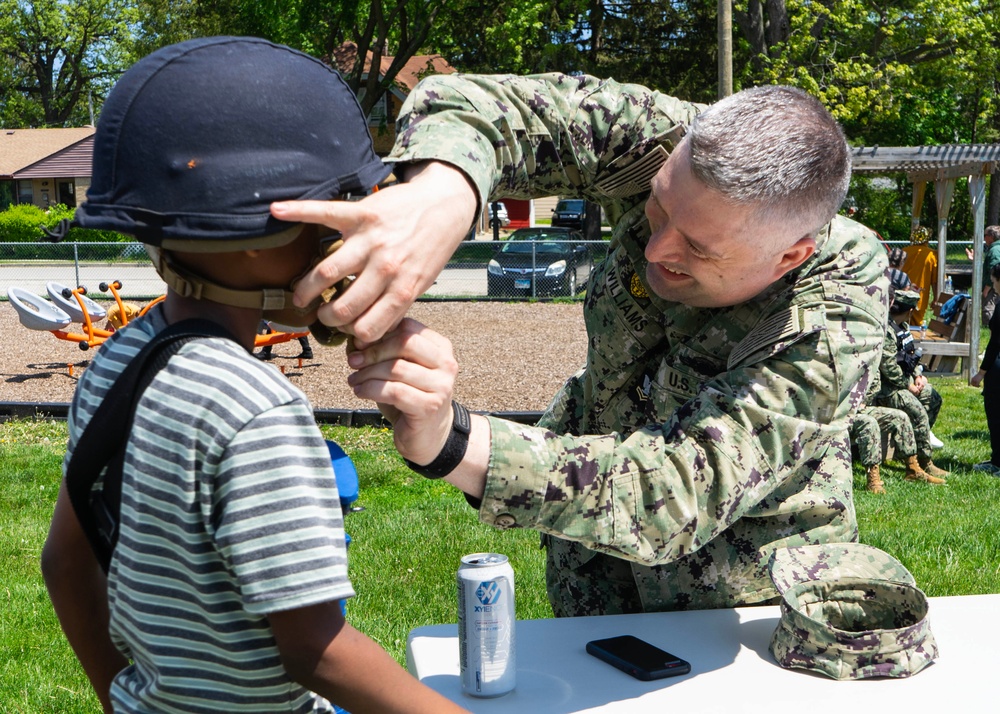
229	511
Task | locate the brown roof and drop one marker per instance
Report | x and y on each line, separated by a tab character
20	148
415	69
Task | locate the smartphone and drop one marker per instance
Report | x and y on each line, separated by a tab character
637	657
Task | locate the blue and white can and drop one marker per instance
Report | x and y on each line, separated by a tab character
486	625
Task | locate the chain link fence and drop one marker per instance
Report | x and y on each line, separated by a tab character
479	269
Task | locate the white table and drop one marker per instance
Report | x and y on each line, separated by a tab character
732	670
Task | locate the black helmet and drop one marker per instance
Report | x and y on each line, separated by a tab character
197	140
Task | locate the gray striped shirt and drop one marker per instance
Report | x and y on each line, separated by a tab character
229	511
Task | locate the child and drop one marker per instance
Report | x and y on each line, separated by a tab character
223	590
989	377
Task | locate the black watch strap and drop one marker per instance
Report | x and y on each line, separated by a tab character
454	448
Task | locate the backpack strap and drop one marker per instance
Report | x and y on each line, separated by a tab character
101	447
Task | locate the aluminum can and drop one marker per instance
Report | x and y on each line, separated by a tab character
486	625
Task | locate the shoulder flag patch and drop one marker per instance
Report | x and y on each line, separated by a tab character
635	177
780	327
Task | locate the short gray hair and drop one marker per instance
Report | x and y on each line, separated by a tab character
776	147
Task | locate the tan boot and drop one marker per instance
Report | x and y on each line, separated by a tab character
875	480
914	472
930	469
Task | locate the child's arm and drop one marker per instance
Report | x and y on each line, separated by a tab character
320	651
78	590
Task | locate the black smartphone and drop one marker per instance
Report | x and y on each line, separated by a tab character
638	658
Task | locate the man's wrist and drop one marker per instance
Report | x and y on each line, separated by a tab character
453	451
447	179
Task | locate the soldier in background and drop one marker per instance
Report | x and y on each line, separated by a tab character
867	429
904	387
871	422
733	329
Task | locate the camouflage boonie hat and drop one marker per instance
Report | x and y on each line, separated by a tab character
849	611
920	235
907	298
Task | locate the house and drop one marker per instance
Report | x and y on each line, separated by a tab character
382	120
45	166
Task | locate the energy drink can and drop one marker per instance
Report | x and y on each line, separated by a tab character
486	625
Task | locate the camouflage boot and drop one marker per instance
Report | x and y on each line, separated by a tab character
875	480
930	469
914	472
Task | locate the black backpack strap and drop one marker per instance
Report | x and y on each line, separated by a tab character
101	447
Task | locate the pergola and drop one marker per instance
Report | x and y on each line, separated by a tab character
943	166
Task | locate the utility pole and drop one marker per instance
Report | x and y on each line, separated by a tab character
725	48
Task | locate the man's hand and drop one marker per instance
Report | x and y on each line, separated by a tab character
411	374
917	385
396	241
977	379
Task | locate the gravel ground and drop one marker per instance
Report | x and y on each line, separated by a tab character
513	357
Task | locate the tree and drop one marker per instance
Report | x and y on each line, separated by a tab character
56	55
891	71
511	36
396	28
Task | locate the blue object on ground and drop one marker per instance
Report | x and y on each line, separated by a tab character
347	486
345	473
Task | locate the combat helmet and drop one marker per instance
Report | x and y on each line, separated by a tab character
197	139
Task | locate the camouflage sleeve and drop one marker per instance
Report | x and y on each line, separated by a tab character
538	135
891	375
667	489
564	414
756	440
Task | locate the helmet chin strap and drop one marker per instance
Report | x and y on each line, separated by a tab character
275	303
188	284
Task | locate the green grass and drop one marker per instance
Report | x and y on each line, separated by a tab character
412	532
945	535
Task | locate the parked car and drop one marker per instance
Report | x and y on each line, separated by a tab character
539	261
569	212
498	213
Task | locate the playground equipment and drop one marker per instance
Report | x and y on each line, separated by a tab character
68	305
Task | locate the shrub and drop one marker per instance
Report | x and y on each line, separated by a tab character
20	223
23	223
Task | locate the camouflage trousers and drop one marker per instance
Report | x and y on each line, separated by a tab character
866	434
922	410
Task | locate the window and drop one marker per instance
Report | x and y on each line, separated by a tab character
7	193
24	192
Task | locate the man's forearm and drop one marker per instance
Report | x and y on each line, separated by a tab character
448	181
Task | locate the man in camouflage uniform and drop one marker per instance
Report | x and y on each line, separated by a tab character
866	439
871	422
733	329
904	387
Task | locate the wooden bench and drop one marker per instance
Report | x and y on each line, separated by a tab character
945	343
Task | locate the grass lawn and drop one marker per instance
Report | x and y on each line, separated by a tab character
408	541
